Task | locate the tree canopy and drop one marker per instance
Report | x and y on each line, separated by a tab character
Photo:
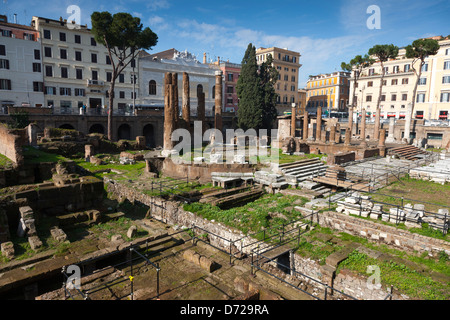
256	92
123	36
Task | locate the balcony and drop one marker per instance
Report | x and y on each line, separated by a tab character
95	83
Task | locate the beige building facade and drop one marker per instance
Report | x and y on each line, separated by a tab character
77	70
288	65
433	92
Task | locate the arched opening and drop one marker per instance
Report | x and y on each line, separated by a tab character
124	132
199	89
67	126
152	88
148	132
97	128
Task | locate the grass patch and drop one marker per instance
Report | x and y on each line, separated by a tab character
411	282
33	155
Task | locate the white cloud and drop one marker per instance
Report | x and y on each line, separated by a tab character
154	5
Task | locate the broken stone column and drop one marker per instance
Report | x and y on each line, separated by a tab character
376	127
332	138
201	110
140	142
7	249
348	137
382	142
350	119
319	124
186	108
218	101
293	121
305	126
169	125
408	119
32	134
390	138
363	128
175	102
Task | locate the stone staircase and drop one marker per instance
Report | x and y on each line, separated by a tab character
302	170
272	180
408	153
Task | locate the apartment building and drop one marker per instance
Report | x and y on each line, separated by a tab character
21	78
77	70
329	91
288	65
153	67
433	92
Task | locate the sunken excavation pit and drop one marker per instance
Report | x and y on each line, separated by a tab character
140	224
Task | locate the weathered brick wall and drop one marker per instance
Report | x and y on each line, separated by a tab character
11	142
378	232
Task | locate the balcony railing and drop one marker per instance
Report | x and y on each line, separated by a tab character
91	82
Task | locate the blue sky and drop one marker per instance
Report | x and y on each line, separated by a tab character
324	32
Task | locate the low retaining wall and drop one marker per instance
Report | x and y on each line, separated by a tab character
378	232
201	171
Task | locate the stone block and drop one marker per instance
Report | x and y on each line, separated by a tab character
35	242
58	234
7	249
132	231
207	264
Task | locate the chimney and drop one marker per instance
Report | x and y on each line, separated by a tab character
204	57
15	18
218	61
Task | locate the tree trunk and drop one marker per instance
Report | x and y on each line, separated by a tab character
376	128
413	103
110	111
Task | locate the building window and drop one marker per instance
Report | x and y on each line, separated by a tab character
94	75
108	60
383	97
5	84
93	57
4	64
421	97
446	79
447	65
394	97
3	50
422	81
37	54
121	78
79	74
404	97
230	76
78	55
77	38
65	91
48	71
384	82
369	98
447	52
286	78
407	67
445	96
63	53
405	81
36	67
80	92
50	90
6	33
370	84
394	82
122	94
396	69
152	88
230	89
38	86
425	67
434	136
62	36
108	76
64	72
48	52
47	34
293	78
93	42
133	63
